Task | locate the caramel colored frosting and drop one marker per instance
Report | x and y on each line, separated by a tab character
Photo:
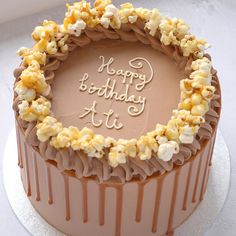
161	94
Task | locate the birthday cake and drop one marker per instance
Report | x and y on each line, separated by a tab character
116	115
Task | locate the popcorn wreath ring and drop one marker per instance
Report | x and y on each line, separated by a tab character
106	21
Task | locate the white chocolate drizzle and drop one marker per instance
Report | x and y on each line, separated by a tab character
108	90
115	123
127	74
93	112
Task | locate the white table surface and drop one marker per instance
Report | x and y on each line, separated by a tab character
215	20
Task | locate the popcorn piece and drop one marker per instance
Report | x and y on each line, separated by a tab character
200	79
83	139
109	142
38	109
33	78
185	104
160	129
154	21
29	55
130	148
41	46
143	13
48	128
47	40
190	45
132	19
117	155
61	42
127	13
86	134
95	147
172	132
186	134
24	93
162	140
41	107
74	133
196	99
81	11
186	86
62	140
66	137
25	112
201	109
173	30
185	117
100	6
166	150
45	36
208	92
48	30
76	29
64	48
111	17
202	71
146	145
51	47
203	64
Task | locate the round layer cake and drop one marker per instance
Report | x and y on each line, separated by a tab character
116	116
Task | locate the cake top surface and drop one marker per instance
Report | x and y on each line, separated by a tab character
136	84
116	89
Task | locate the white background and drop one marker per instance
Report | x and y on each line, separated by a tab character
215	20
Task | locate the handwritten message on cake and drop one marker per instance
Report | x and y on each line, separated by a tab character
129	78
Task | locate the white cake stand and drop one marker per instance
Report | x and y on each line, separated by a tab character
197	225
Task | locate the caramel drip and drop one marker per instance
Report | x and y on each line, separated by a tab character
157	203
20	162
101	210
173	202
119	204
139	201
210	151
187	186
49	183
67	195
197	178
27	171
84	184
170	233
36	175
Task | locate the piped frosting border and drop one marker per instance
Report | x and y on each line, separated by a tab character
164	141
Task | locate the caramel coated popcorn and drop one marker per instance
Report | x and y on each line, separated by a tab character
128	13
117	155
36	110
190	45
146	145
33	78
24	93
173	30
111	17
154	21
30	56
48	128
